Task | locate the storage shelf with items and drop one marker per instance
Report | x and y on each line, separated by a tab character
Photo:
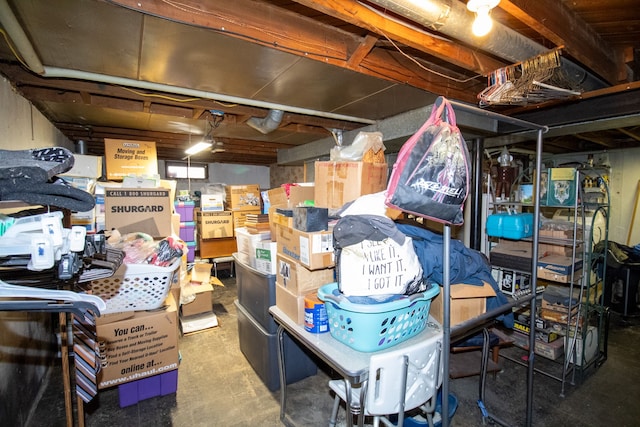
574	218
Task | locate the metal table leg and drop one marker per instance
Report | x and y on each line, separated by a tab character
283	374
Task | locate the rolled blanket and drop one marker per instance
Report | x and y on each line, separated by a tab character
40	164
57	194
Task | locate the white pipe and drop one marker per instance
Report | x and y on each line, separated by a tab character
19	38
141	84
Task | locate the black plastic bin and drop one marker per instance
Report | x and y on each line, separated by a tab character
261	350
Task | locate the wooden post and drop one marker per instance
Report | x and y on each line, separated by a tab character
633	215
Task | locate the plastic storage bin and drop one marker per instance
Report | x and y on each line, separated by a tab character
137	286
371	327
510	226
188	231
261	350
256	293
146	388
185	210
191	251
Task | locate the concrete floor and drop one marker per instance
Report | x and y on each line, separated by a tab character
217	387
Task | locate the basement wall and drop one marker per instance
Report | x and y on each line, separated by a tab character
27	340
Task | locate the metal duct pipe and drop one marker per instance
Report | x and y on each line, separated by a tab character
19	38
25	49
267	124
453	19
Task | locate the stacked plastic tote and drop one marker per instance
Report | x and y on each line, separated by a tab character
187	226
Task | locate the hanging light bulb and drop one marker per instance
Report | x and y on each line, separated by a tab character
483	22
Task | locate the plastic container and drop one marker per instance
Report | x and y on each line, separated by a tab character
260	348
510	226
256	293
146	388
137	286
185	210
187	231
372	327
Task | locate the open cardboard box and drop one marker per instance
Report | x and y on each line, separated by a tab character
467	302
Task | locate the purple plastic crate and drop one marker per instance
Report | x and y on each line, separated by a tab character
146	388
191	251
187	231
185	209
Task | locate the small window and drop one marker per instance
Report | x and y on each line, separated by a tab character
184	170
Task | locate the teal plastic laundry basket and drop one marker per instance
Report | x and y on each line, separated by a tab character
371	327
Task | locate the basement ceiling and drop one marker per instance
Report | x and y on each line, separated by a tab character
175	72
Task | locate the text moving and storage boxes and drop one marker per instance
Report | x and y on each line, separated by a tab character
337	183
467	301
124	157
145	210
138	344
214	225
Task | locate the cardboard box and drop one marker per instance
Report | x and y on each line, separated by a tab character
562	187
264	256
85	166
138	344
243	197
125	157
239	217
247	242
551	350
214	225
467	302
139	210
298	279
214	248
337	183
291	304
211	202
203	299
313	250
298	194
558	268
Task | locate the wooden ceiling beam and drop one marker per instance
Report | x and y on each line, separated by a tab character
565	28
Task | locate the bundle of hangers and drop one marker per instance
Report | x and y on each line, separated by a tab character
532	81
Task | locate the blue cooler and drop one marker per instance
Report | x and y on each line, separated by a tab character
510	226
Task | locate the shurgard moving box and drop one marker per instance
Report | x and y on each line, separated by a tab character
137	344
298	279
124	157
313	250
337	183
144	210
243	197
467	301
214	225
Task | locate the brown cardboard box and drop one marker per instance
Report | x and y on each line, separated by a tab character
298	279
337	183
298	194
214	225
239	217
138	344
243	197
467	302
202	302
143	210
214	248
313	250
291	304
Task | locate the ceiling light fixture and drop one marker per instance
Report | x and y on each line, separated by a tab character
483	23
200	146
